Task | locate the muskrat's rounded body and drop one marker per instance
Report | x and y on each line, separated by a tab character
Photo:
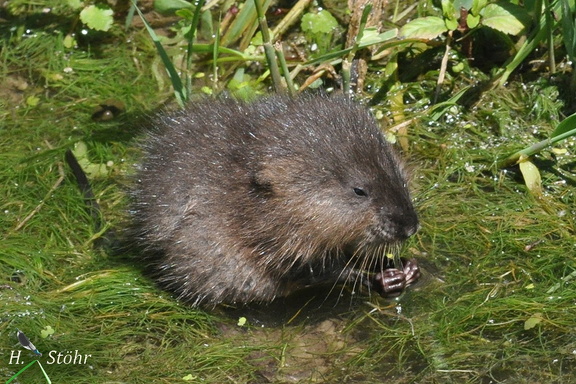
240	202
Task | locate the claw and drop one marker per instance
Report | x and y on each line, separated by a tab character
392	281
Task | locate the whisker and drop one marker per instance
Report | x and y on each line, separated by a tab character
349	268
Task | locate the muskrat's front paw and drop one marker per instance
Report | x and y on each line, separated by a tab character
392	281
411	270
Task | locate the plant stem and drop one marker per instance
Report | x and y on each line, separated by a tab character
285	71
190	36
269	50
443	67
550	37
347	61
533	149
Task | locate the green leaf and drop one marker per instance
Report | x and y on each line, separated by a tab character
427	28
371	36
531	177
568	29
69	41
566	125
32	101
459	67
477	6
533	321
319	23
466	4
505	17
76	4
171	6
472	21
184	13
319	28
93	170
47	331
80	150
97	17
451	24
448	10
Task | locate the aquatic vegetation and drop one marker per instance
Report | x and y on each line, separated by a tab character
498	293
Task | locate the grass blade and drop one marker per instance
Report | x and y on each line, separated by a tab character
179	91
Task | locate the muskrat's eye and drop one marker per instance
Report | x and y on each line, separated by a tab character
360	192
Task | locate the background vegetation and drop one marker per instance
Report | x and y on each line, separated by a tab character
458	85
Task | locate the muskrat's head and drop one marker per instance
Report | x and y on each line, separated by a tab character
328	183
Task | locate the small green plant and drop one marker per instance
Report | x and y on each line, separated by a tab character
191	16
98	17
467	16
181	85
507	18
320	29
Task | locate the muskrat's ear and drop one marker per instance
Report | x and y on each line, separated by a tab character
274	176
261	185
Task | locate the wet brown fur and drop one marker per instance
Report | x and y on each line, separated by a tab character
239	202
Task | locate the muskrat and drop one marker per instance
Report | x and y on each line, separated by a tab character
238	202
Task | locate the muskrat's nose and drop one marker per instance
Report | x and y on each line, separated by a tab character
412	229
403	224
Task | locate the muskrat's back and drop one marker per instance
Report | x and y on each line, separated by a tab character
239	202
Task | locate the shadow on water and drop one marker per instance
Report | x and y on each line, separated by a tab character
310	305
